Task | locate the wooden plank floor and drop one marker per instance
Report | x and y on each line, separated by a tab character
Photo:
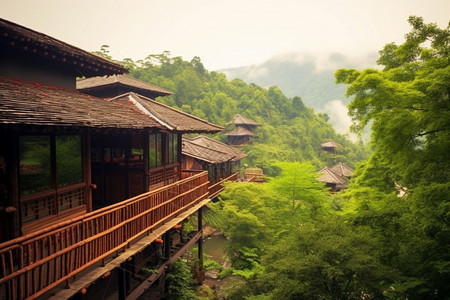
96	271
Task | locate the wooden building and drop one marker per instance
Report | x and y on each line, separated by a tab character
342	170
83	178
254	175
203	153
330	146
243	132
332	180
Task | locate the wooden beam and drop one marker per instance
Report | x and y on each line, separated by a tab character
139	290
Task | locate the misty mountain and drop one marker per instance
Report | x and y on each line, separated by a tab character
309	76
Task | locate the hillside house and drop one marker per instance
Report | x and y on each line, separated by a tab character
330	146
85	181
342	170
243	132
332	180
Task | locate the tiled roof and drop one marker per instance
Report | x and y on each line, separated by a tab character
342	169
32	103
26	42
131	84
240	131
204	153
330	144
238	119
330	177
170	118
216	145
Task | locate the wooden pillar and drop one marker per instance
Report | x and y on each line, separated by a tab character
200	240
146	160
87	169
179	154
129	266
182	239
121	282
166	238
13	171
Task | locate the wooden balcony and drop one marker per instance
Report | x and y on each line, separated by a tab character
38	262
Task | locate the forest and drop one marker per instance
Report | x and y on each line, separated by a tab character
385	237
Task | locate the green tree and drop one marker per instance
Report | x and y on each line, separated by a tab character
325	259
179	282
408	105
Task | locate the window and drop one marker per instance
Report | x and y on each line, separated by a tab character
155	150
173	148
68	160
47	163
35	164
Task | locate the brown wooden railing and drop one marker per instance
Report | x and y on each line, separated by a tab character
216	188
163	175
33	264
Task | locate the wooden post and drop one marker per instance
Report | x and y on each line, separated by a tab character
13	161
179	149
166	238
121	282
129	266
86	144
146	161
200	240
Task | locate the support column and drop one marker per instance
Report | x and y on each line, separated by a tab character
121	282
166	238
129	266
200	240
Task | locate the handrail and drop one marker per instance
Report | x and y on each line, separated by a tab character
35	263
218	187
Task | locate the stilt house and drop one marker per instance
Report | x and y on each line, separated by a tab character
85	181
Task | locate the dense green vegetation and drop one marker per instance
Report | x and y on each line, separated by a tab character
388	235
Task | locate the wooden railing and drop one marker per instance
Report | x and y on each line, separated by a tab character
218	187
163	175
33	264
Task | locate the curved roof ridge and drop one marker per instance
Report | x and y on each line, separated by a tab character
17	38
173	119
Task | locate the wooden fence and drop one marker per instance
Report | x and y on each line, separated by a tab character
33	264
218	187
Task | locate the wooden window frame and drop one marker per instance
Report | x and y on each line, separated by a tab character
55	193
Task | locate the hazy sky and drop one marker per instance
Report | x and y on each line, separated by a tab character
225	33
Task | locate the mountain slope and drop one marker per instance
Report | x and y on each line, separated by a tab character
309	76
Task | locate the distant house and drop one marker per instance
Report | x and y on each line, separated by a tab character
240	121
330	146
342	170
203	153
243	131
332	180
254	175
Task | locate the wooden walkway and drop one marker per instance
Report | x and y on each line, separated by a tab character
67	257
33	264
99	271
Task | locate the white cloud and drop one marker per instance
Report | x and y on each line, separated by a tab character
338	113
